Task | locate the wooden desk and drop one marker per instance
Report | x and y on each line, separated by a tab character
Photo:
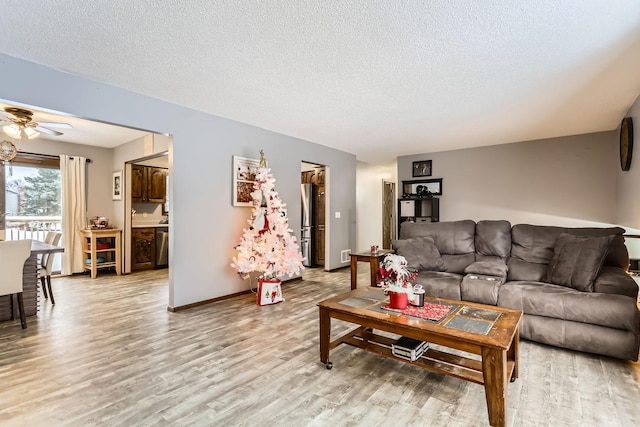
29	282
374	261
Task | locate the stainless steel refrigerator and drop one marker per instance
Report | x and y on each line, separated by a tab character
306	235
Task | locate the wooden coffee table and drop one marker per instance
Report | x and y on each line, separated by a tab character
488	331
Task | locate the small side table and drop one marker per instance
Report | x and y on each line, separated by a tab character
111	254
374	261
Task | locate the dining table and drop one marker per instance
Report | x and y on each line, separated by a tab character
29	282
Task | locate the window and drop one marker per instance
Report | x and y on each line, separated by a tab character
32	203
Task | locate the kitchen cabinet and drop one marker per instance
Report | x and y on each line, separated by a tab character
144	248
101	249
148	184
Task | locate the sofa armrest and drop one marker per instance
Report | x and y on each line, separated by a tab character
488	268
614	280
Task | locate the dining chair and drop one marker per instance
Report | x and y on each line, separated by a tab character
13	254
48	238
46	263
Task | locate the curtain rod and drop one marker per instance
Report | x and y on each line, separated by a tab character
51	156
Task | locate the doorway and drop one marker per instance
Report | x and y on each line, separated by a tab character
388	213
148	202
313	214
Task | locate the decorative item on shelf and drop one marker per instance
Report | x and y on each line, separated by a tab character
99	222
395	278
374	249
268	245
423	191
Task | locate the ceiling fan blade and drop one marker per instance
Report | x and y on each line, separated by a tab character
48	131
55	125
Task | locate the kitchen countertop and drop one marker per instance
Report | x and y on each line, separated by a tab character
148	225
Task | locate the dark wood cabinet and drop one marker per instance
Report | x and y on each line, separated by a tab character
156	185
148	184
418	210
138	183
144	248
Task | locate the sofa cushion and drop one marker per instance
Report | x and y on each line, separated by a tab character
480	288
452	238
487	268
535	243
440	284
522	270
614	280
420	252
457	263
561	302
493	238
532	248
577	261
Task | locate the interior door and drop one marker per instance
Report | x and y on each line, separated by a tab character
388	216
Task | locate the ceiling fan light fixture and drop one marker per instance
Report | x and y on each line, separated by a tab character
13	130
31	132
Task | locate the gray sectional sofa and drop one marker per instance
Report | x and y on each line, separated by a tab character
570	283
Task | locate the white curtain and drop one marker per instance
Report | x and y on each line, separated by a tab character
74	211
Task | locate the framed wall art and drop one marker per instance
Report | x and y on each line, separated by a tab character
116	186
244	175
421	168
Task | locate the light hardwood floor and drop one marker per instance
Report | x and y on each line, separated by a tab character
109	353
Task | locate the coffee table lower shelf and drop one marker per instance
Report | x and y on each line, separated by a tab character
441	362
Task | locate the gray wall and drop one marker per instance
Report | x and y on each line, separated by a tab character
628	183
205	227
559	181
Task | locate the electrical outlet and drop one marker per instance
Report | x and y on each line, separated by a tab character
344	255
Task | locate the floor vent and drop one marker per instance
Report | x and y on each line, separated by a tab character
344	255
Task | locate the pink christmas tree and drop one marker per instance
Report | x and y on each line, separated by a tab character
268	246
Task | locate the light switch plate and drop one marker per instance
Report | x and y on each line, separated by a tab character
337	214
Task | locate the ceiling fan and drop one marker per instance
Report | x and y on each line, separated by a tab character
19	123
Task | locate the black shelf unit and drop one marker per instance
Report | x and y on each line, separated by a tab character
417	209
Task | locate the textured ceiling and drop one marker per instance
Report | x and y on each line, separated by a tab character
374	78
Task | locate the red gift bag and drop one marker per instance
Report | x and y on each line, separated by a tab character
269	292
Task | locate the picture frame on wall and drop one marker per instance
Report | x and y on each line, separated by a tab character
116	186
421	168
244	175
